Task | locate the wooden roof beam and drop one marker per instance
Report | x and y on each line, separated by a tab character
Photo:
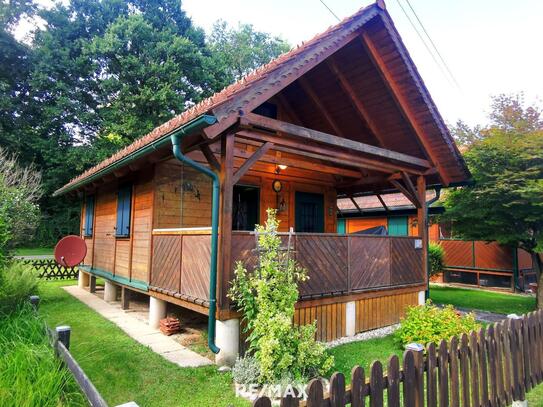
306	86
355	204
210	157
381	200
355	101
252	119
412	198
257	155
401	102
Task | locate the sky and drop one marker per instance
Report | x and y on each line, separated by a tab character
490	46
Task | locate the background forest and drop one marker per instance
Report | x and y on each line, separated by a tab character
96	75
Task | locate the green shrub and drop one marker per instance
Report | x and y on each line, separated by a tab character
17	282
436	256
266	298
427	323
30	373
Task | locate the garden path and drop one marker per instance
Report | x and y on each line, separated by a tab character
165	346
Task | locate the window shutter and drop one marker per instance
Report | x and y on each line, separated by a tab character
124	198
89	215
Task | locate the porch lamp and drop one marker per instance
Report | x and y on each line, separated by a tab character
280	167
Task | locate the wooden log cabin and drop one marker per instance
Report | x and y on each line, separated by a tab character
343	114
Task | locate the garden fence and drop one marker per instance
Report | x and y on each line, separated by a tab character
49	269
491	367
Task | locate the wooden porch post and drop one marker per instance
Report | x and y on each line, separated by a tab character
225	217
422	222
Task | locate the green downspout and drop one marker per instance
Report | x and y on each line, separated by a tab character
516	285
426	221
201	122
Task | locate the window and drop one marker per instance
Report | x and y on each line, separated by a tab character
245	207
124	201
89	216
397	226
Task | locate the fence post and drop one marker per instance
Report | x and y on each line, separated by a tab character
418	353
515	319
63	335
35	301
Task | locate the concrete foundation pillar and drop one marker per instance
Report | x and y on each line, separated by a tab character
227	339
83	279
422	297
157	311
110	291
350	318
519	403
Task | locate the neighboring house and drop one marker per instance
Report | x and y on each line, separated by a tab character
343	114
479	263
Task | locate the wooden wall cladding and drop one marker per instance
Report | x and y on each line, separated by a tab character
181	264
369	262
88	257
104	240
380	311
405	262
182	196
166	266
493	256
122	258
195	263
326	260
142	224
458	253
330	320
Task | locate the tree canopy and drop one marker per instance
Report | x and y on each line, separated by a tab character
505	203
100	74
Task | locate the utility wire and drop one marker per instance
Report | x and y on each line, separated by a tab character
330	10
433	44
424	42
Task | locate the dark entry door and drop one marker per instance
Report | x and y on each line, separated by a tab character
309	210
245	207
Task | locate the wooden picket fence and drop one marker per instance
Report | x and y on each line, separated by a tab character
49	269
491	367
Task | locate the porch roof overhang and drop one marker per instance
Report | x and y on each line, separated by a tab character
368	39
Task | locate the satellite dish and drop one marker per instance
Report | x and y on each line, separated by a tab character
70	251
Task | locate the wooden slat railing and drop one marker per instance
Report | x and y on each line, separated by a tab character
492	367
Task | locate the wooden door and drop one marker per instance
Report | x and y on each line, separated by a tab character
309	212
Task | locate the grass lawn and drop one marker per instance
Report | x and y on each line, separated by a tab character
491	301
33	251
124	370
363	353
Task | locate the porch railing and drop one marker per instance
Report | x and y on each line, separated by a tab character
336	264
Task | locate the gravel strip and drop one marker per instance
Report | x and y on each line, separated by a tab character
363	336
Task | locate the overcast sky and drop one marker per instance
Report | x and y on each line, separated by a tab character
490	46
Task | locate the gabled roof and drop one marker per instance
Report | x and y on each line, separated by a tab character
263	83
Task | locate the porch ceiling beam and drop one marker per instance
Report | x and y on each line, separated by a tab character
210	157
252	119
306	86
382	202
401	102
257	155
355	100
406	192
411	188
355	204
326	154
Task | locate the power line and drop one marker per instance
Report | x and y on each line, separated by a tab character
433	44
424	42
330	10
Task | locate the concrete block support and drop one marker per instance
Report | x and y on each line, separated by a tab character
157	311
350	318
422	297
110	291
227	339
519	403
83	279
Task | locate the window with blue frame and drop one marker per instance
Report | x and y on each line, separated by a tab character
89	216
124	202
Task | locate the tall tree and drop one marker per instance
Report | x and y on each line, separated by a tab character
505	203
237	51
